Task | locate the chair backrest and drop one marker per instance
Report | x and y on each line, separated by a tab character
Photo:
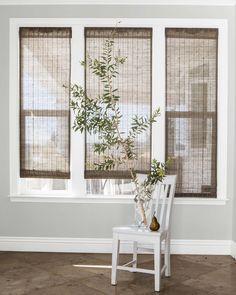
163	200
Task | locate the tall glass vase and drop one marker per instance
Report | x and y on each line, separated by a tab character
143	202
143	213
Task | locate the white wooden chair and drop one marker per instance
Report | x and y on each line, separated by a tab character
164	195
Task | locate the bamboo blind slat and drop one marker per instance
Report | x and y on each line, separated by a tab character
134	88
191	109
44	102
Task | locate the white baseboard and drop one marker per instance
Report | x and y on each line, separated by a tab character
201	247
233	249
82	245
44	244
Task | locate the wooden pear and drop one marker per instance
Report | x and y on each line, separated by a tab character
154	226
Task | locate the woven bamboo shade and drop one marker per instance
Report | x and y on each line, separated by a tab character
191	109
44	102
134	88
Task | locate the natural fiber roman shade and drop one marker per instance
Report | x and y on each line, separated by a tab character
191	109
134	89
44	102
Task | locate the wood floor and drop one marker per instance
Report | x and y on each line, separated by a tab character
61	274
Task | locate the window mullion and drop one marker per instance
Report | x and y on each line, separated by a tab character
78	183
158	91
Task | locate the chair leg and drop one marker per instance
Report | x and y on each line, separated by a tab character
157	265
167	257
135	254
115	258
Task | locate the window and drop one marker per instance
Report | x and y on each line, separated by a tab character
134	89
191	96
175	64
44	107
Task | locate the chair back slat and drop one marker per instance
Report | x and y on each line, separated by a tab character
156	198
165	196
164	190
172	180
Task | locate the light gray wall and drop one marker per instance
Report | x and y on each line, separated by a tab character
234	222
96	221
234	203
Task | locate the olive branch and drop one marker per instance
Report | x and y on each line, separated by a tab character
101	115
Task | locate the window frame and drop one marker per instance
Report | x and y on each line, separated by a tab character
77	193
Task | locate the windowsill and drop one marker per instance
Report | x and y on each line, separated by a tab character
108	199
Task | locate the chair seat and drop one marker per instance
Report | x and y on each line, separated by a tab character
138	234
136	230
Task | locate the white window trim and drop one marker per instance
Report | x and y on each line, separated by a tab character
101	199
158	91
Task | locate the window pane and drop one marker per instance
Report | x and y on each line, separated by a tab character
109	187
41	185
134	89
44	111
46	146
191	99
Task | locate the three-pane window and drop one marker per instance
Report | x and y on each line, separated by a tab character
46	159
